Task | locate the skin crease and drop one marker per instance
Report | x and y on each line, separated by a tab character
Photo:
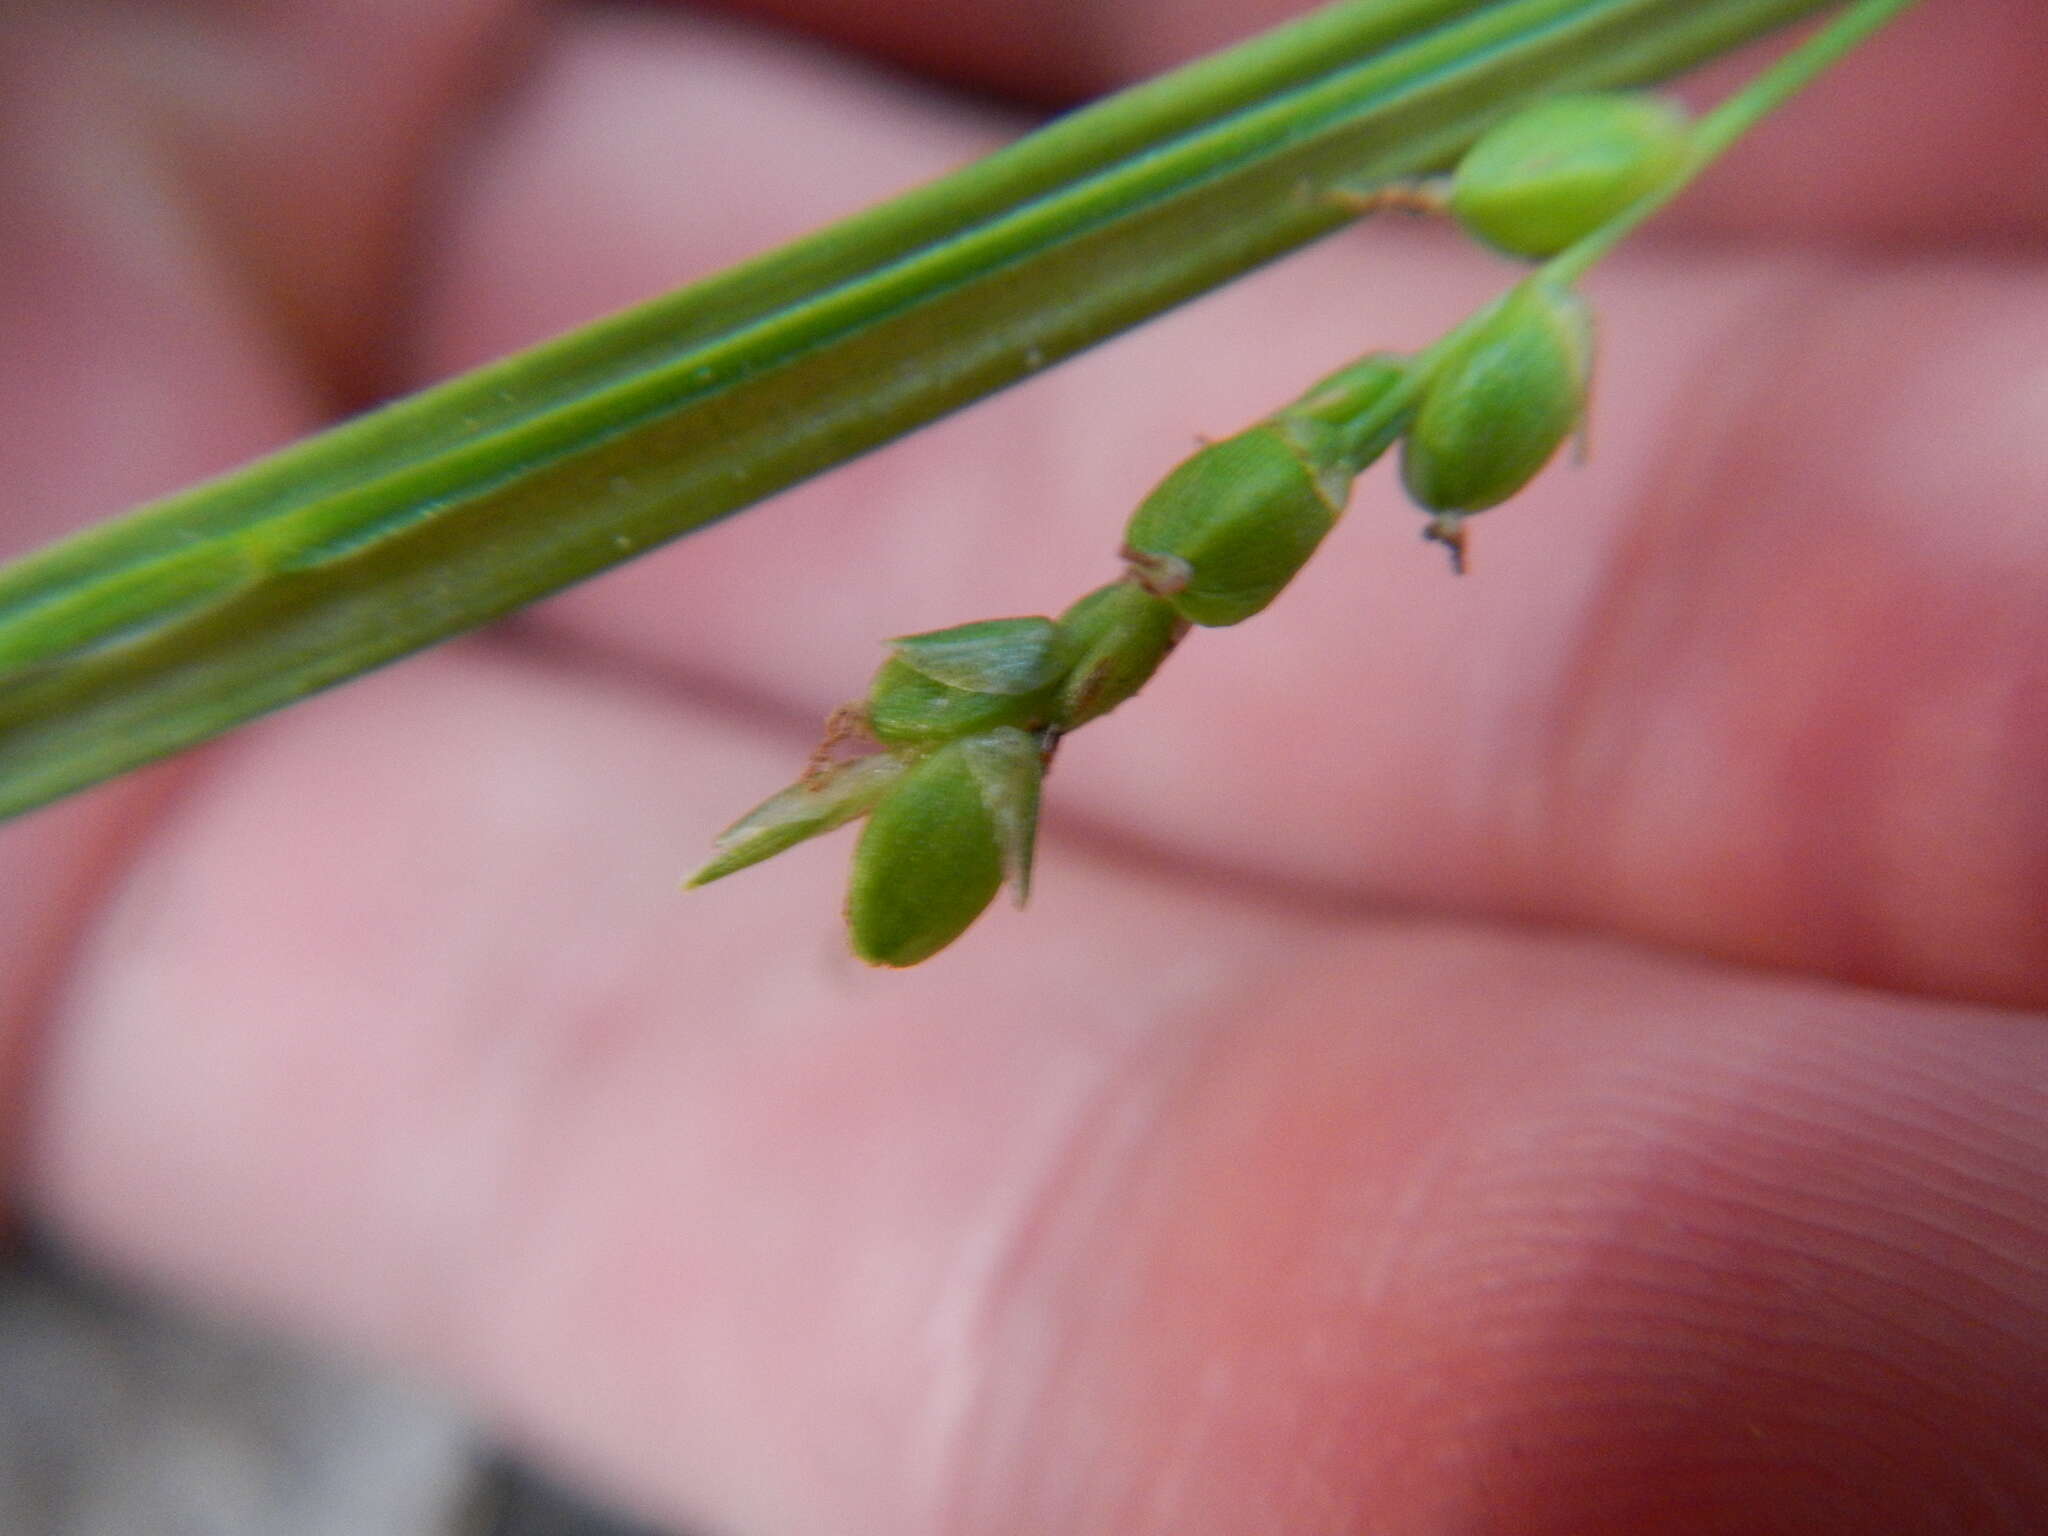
1558	1052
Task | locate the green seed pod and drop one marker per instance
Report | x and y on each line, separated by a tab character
1508	391
814	804
936	848
1228	528
1553	173
1117	636
954	682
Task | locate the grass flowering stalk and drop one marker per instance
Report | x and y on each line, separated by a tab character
1477	415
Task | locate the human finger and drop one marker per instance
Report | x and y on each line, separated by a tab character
1170	1210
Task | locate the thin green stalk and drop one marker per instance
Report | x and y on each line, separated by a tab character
446	510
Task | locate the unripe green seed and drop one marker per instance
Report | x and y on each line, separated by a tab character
950	683
1228	528
1551	174
934	851
815	804
1117	635
1499	403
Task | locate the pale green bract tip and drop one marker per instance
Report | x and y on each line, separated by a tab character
804	810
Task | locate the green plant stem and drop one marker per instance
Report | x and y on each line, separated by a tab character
453	507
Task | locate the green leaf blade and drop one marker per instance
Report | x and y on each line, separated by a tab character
442	512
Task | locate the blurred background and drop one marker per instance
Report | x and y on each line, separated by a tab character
122	1417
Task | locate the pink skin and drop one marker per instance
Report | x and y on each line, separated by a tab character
1550	1053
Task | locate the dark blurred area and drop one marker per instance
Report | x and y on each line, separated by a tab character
121	1416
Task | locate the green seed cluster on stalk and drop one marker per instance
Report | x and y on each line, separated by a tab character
947	754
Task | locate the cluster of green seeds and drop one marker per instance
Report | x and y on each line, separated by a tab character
946	755
953	740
